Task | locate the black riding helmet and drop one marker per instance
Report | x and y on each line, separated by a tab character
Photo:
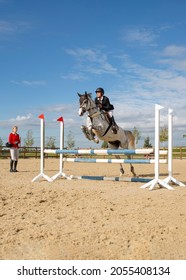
100	89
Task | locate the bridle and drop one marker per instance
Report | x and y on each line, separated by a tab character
85	106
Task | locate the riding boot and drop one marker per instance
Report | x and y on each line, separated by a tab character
114	125
15	166
11	165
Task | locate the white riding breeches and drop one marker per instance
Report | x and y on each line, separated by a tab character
14	153
110	113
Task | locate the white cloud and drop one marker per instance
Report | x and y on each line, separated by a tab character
74	76
140	35
29	83
10	27
59	108
34	83
6	27
91	61
21	118
174	51
174	57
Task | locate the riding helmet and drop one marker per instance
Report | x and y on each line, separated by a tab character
100	89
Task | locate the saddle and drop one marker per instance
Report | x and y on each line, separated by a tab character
111	122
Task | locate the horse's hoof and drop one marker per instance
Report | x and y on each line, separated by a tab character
96	140
121	171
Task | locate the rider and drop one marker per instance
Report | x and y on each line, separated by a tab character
103	103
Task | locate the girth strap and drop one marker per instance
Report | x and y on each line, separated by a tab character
107	130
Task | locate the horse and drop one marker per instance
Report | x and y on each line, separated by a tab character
101	127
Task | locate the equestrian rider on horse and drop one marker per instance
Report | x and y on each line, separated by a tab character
103	103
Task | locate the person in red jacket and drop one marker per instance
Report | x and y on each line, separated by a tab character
14	140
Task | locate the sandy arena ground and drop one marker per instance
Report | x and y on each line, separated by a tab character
81	219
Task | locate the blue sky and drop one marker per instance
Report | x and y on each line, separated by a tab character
52	49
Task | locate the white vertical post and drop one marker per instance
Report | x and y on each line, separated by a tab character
156	180
157	139
170	178
60	173
42	141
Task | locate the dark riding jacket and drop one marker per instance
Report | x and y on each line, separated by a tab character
105	102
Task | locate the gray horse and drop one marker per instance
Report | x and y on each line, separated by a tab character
101	127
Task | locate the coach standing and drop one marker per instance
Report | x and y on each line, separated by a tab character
14	140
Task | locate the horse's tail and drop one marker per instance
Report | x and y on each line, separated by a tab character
131	140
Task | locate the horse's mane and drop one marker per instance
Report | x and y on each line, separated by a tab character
86	95
89	95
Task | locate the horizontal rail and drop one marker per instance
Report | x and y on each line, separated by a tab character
94	160
103	178
104	152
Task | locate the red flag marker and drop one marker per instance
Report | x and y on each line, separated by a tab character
41	116
60	119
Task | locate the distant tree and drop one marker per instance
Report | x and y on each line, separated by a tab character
70	140
104	145
1	142
147	143
50	142
136	134
163	134
29	140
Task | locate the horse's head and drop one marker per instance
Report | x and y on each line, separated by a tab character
85	102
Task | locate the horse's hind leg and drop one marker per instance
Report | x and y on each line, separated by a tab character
132	167
115	145
121	166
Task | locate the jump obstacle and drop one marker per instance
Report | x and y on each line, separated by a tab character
149	183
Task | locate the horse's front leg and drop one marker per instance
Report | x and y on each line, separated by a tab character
87	132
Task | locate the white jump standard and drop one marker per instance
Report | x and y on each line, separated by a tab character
42	142
42	131
156	180
170	178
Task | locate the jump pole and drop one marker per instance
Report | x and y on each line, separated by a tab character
60	173
156	180
101	160
42	139
170	178
104	152
117	179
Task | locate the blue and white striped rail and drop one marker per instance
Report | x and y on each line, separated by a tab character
95	160
104	152
118	179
